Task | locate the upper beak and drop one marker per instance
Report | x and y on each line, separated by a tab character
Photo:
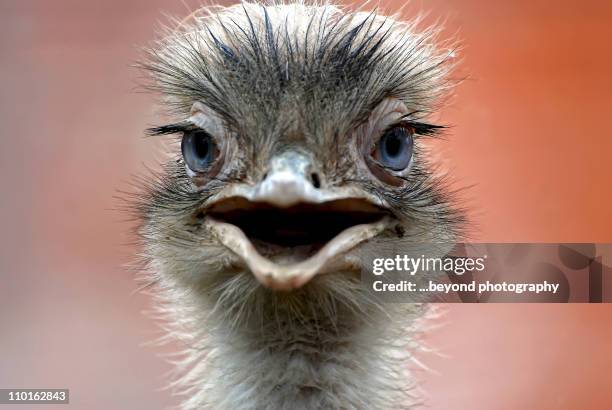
289	181
290	185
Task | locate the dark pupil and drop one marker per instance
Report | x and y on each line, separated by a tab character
393	144
201	146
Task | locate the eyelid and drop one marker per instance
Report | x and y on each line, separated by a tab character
400	124
199	130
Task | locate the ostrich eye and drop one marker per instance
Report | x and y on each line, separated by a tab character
199	150
394	149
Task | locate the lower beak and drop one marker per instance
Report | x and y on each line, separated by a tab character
288	277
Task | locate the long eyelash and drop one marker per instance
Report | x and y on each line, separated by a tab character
170	129
420	128
425	129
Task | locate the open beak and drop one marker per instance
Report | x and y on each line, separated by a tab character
288	228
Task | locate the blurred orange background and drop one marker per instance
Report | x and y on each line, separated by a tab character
531	136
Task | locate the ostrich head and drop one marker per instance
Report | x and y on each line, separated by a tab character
300	130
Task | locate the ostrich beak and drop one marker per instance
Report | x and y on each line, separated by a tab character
288	227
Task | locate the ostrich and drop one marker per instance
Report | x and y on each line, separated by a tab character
300	130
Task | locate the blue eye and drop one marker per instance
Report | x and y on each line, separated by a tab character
199	150
394	149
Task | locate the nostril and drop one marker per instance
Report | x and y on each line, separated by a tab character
316	182
265	176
